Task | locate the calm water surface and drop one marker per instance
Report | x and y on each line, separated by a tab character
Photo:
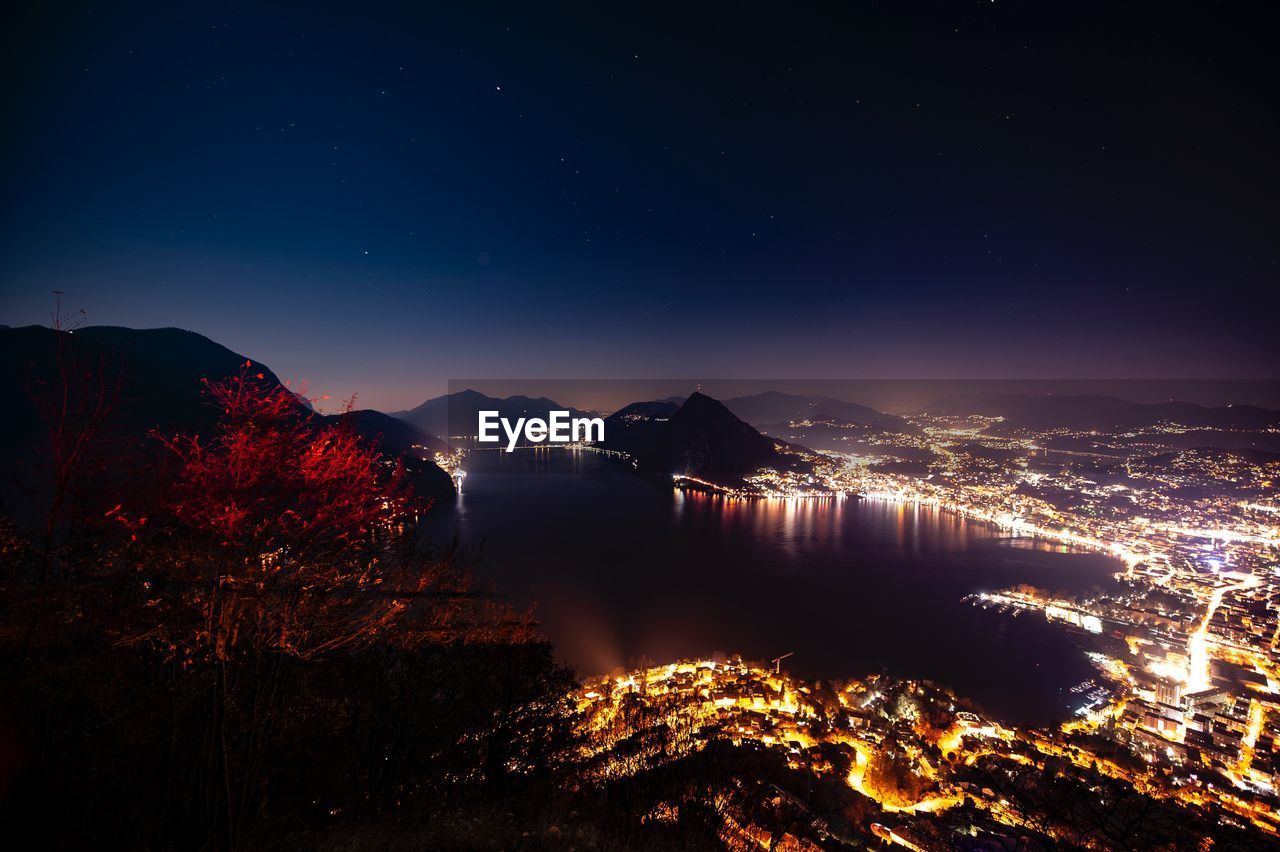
623	567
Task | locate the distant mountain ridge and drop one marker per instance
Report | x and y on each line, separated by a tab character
456	415
774	407
1102	412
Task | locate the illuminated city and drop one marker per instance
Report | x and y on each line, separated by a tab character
1184	707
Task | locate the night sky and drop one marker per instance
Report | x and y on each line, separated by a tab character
379	199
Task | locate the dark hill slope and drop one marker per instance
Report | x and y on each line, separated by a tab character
144	379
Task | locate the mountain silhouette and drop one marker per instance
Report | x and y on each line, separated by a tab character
145	380
701	438
392	434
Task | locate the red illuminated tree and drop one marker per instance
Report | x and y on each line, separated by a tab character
270	479
294	536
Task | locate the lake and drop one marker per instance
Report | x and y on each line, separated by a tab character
623	568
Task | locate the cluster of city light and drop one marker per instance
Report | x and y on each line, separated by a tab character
1178	525
752	703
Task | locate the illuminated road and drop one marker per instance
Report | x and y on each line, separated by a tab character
1198	645
857	774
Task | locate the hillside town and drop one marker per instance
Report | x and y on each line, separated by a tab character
910	763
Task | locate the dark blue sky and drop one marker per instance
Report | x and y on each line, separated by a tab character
375	199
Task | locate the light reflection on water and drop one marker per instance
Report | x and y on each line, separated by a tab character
623	567
802	522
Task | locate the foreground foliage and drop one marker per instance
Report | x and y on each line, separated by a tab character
245	638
